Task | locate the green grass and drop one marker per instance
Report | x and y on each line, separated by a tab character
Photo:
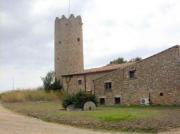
114	114
131	118
108	114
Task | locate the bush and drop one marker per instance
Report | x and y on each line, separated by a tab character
78	99
68	100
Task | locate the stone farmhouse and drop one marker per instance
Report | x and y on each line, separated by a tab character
154	80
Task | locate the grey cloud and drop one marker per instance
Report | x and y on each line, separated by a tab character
27	40
26	43
143	53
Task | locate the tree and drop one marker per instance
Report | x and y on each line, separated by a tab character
50	82
135	59
56	85
119	60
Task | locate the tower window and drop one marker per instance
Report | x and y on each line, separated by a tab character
161	94
108	85
78	39
132	74
59	42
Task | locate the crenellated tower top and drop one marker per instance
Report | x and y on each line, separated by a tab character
71	18
68	45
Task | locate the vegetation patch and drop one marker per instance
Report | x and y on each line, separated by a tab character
30	95
123	118
78	99
50	83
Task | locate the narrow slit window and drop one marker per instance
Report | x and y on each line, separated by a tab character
78	39
161	94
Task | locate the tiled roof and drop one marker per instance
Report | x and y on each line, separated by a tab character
131	63
106	68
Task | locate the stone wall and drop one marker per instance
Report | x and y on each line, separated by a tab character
154	76
68	45
70	83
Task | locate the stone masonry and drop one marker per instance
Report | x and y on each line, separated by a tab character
71	81
155	79
68	45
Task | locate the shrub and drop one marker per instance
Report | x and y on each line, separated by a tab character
68	100
78	99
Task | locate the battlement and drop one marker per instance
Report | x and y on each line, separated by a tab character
68	45
71	18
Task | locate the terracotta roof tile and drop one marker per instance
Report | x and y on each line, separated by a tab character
106	68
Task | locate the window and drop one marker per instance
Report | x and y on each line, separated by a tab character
78	39
102	101
108	85
161	94
117	100
132	74
59	42
79	82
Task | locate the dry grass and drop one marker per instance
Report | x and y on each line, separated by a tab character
128	118
30	95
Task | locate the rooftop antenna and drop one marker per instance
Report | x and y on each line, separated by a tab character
69	8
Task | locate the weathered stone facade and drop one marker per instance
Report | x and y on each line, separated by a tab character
68	45
71	85
155	80
83	81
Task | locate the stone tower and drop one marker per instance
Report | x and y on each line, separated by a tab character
68	45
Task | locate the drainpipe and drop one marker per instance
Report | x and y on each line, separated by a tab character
85	82
94	88
150	99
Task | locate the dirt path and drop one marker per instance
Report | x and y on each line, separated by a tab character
12	123
173	131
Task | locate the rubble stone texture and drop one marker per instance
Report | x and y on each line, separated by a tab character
68	42
156	78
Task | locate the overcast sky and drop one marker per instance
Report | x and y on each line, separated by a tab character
111	29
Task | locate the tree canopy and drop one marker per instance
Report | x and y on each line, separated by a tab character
121	60
50	82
